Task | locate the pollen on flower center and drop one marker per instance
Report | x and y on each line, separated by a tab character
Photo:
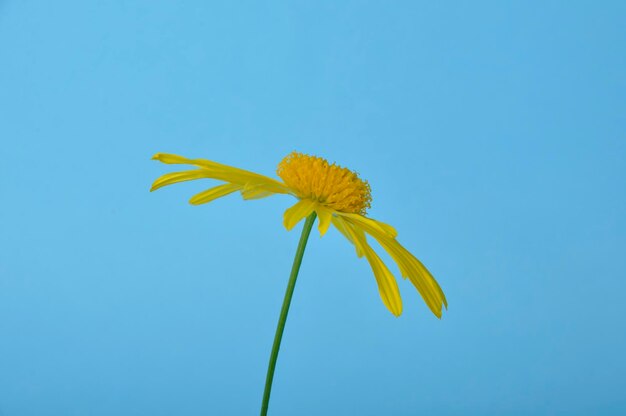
333	186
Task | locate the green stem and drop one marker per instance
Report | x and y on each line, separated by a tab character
306	230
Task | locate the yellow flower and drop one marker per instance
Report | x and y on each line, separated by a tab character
337	195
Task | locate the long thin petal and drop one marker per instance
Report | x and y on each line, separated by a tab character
213	193
387	285
341	226
297	212
171	159
226	173
386	228
325	217
257	191
175	177
410	266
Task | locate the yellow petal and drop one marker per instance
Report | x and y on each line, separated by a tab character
226	173
325	216
409	265
341	226
297	212
170	159
213	193
391	232
386	228
257	191
387	285
176	177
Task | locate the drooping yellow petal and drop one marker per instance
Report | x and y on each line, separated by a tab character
386	228
175	177
325	216
387	285
410	267
297	212
214	193
341	226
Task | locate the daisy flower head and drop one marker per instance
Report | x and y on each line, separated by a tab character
335	196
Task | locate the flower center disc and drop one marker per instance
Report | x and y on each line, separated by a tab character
336	187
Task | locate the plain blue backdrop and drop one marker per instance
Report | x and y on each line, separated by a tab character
493	135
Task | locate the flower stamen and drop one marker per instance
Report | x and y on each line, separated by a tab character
336	187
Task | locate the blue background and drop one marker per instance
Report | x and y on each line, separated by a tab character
492	133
